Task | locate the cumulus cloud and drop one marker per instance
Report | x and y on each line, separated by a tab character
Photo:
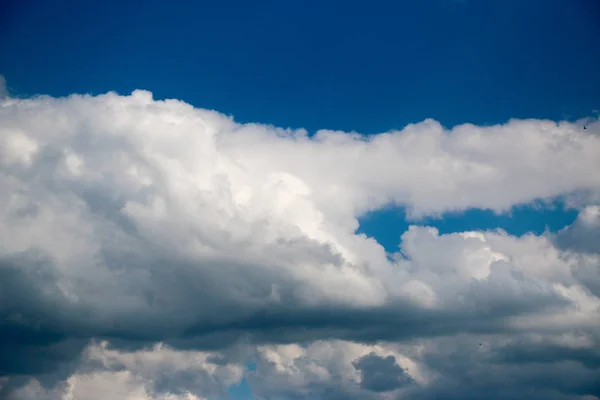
584	234
132	222
381	374
331	370
462	366
157	373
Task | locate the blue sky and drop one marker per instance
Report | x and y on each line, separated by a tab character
355	66
364	66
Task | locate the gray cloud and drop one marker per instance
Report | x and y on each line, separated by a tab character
3	88
467	366
584	234
381	374
512	366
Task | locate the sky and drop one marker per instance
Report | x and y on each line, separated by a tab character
299	200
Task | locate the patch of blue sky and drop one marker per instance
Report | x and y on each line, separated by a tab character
387	225
241	391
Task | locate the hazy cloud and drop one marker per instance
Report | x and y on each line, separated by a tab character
3	88
584	234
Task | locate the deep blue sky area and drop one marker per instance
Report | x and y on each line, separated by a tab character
368	66
388	225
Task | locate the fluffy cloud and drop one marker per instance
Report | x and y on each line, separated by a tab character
157	373
584	235
463	366
138	222
332	370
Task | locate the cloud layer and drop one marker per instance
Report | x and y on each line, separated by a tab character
129	222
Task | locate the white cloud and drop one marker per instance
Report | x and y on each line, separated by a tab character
138	221
329	369
499	366
157	373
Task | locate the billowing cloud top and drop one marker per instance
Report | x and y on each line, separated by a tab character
149	248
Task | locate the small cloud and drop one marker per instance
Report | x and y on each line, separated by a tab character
381	374
3	88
